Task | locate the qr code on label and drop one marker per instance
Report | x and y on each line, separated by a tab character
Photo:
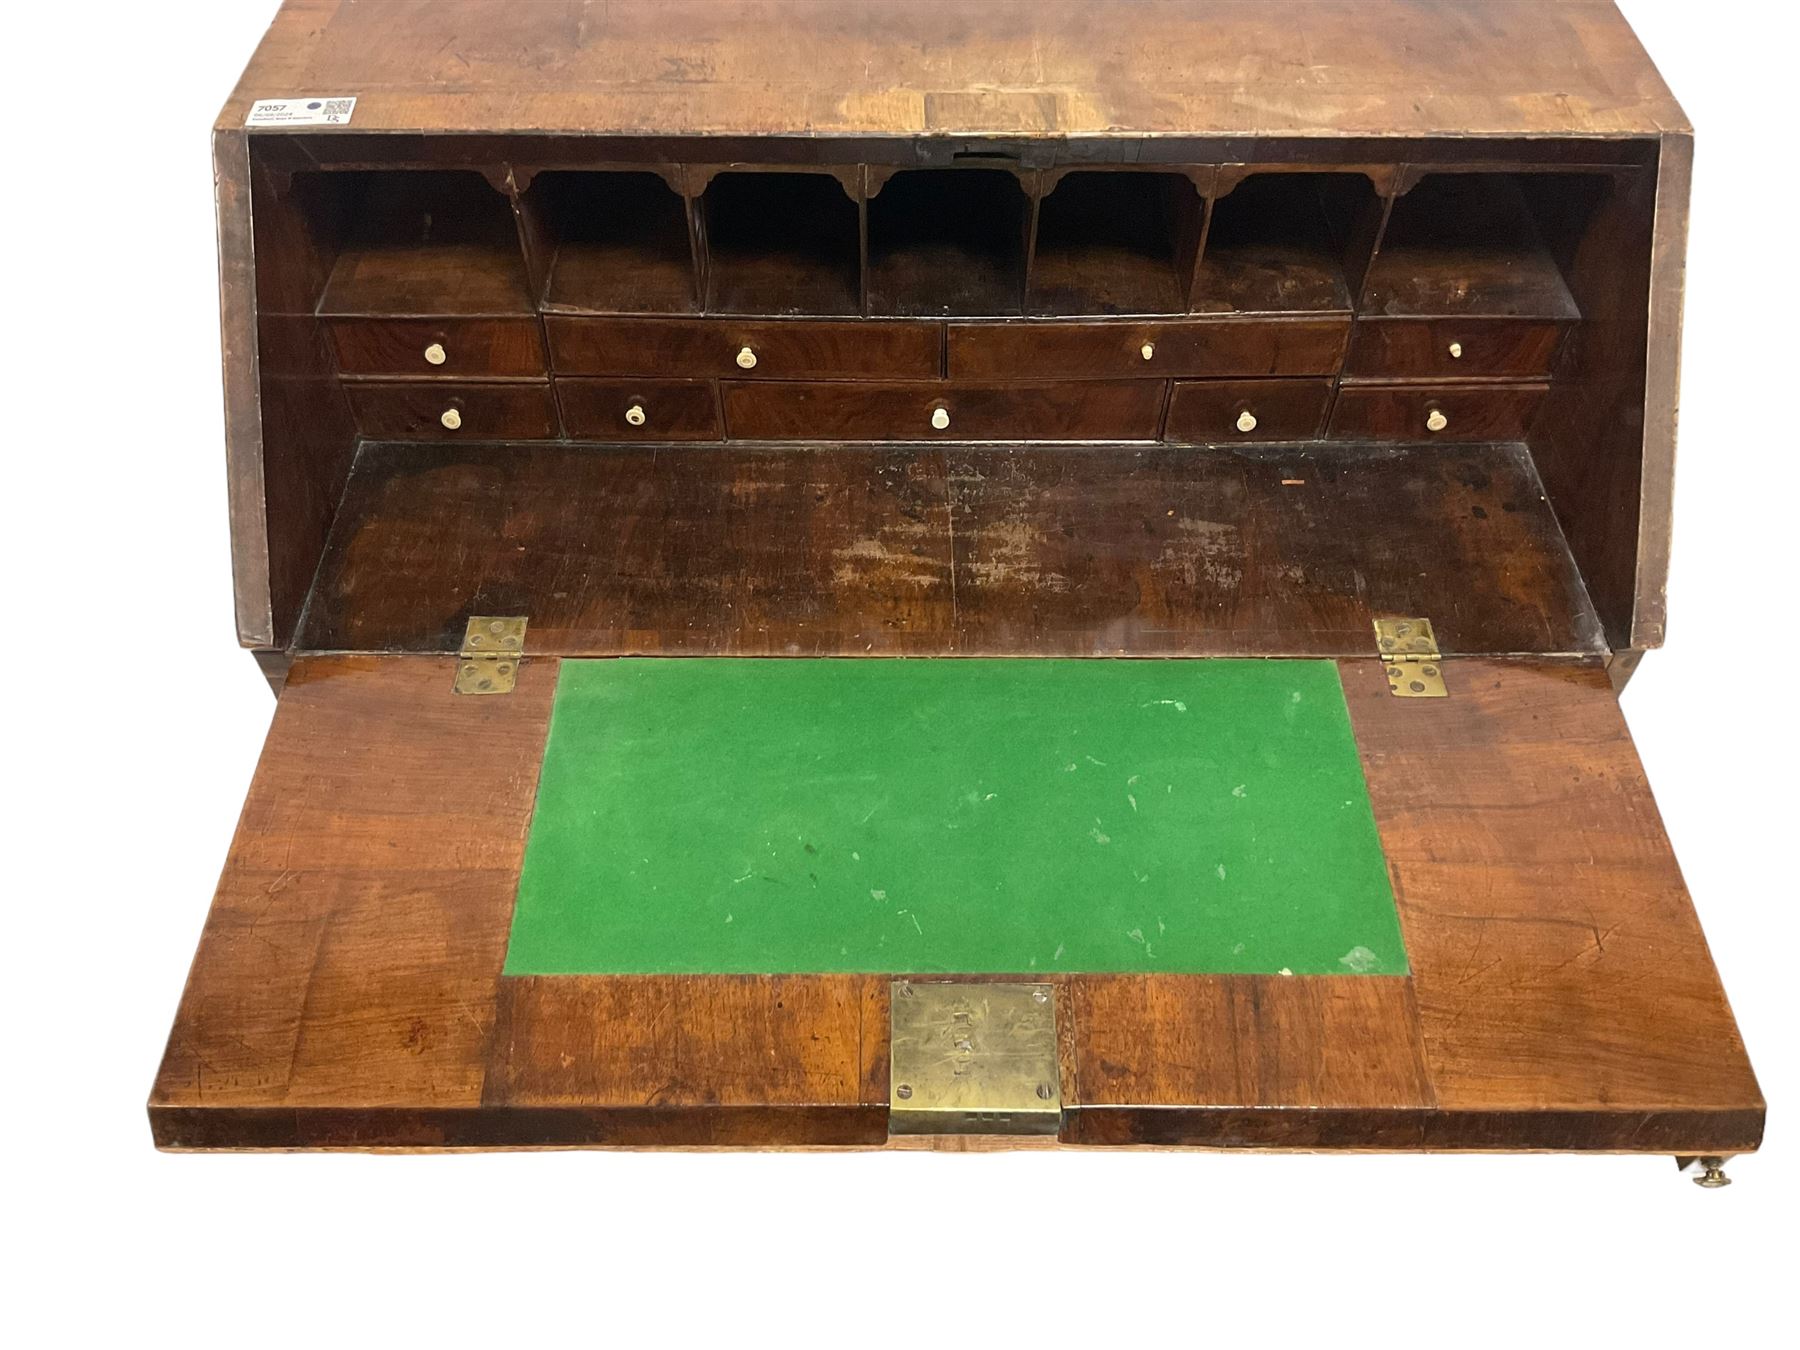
300	112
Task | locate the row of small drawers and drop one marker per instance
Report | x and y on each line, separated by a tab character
1202	411
825	350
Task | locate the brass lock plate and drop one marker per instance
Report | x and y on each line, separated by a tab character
973	1059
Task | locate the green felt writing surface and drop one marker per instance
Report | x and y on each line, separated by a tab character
971	816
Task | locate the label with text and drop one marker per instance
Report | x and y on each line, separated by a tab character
301	112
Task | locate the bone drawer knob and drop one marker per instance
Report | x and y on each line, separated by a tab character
1147	351
940	418
451	419
1435	420
635	415
435	354
746	358
1246	421
1456	351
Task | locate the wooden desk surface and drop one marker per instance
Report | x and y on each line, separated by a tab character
348	990
1064	68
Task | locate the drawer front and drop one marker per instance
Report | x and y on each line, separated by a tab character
639	410
1208	411
1494	412
1071	411
466	347
1449	349
1191	347
712	348
433	410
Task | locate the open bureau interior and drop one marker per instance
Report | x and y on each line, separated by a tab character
963	370
1268	516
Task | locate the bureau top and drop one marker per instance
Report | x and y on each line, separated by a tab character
1103	69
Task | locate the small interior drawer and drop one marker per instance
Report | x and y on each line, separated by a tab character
523	410
438	346
1490	412
1154	350
639	410
711	348
1066	411
1219	411
1451	349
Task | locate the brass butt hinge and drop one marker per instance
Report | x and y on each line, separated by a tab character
967	1058
1409	649
491	651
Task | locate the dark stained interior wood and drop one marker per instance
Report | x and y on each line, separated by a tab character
1076	551
347	990
1281	242
300	419
946	242
781	243
618	244
1466	244
1115	243
428	243
1610	482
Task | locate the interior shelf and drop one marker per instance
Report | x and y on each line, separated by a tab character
426	242
781	243
948	242
1114	549
1466	243
1116	243
1281	242
617	241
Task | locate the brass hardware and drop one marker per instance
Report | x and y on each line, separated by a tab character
435	354
1712	1172
973	1059
635	415
1246	421
1147	351
940	418
1435	420
1409	650
492	648
746	358
451	419
1456	351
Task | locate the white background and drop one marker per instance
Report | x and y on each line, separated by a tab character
132	723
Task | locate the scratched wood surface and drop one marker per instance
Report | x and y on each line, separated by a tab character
347	990
963	550
1016	67
477	83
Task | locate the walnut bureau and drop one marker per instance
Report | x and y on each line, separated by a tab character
1267	409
